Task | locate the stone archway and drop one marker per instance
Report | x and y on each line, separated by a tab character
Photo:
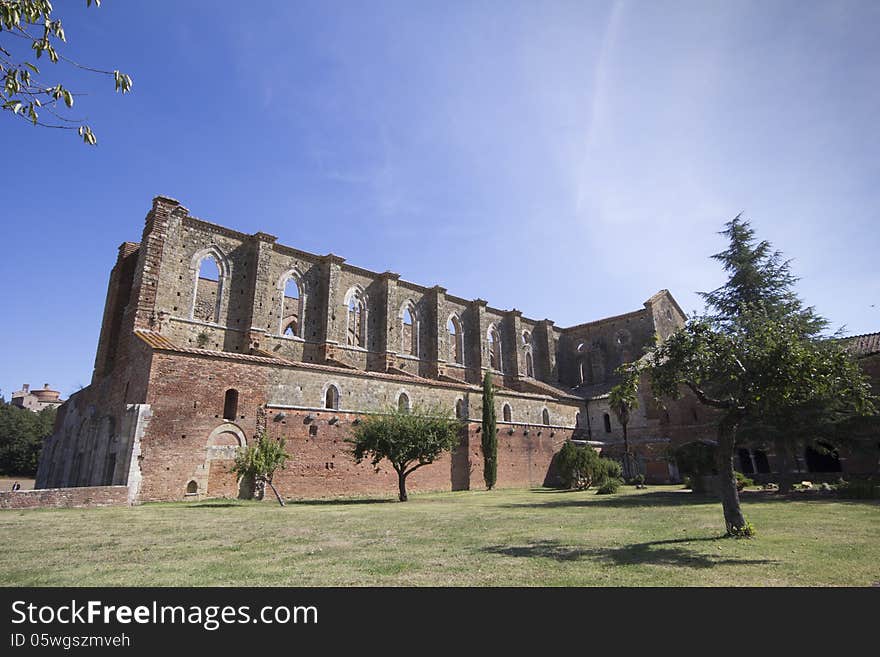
215	477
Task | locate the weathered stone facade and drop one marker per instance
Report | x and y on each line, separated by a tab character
193	360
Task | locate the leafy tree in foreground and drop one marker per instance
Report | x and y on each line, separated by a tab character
21	438
32	27
623	399
757	358
489	437
259	462
409	439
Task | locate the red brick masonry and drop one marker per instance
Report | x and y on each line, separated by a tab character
83	496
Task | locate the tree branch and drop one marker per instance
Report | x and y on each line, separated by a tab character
724	404
413	469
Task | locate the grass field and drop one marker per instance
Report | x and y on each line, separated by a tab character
510	537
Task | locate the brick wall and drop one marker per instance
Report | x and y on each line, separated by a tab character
85	496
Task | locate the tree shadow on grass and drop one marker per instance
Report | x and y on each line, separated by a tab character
655	553
212	505
343	502
589	498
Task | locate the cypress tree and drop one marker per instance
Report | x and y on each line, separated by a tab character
490	437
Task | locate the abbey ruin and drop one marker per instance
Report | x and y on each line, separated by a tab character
211	336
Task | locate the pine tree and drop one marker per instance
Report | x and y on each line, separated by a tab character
757	358
490	437
757	276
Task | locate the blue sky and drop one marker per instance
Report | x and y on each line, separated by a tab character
565	158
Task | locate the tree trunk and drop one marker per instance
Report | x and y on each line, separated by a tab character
280	501
401	485
259	488
733	517
627	469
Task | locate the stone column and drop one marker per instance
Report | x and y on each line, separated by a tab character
261	291
164	218
330	300
544	354
389	327
475	341
511	344
435	334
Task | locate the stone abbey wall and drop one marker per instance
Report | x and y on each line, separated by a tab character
196	312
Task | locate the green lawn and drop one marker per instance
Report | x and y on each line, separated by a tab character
508	537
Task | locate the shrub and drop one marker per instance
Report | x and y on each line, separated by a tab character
858	489
742	481
608	469
582	467
609	487
746	531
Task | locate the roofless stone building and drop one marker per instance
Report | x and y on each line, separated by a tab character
210	336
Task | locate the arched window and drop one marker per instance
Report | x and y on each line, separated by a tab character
526	338
356	331
505	412
545	417
403	403
607	419
577	420
530	368
331	398
580	363
456	346
208	289
292	304
493	340
409	330
192	488
459	410
230	404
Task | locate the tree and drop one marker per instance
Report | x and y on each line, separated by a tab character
756	358
489	439
757	274
259	462
22	433
409	439
623	399
30	26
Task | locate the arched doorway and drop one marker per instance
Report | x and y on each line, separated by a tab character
222	445
822	457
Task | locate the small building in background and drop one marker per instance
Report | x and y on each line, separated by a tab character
36	400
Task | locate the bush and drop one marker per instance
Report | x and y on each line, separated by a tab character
582	467
746	531
609	487
858	489
742	481
608	469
